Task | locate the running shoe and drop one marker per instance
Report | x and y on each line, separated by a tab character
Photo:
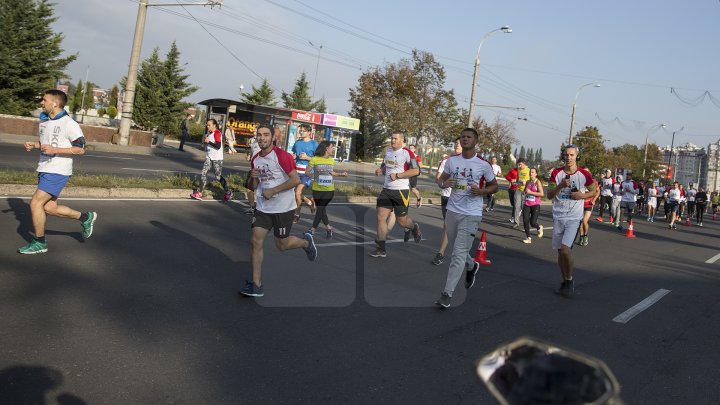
34	247
527	240
251	290
438	260
470	275
329	233
88	224
196	196
406	236
227	196
599	219
416	233
378	253
419	203
566	289
540	231
311	250
444	300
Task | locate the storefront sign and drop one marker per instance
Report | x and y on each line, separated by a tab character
340	121
307	116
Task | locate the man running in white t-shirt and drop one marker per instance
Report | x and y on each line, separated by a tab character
572	186
629	190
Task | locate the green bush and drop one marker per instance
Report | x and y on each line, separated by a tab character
112	111
101	111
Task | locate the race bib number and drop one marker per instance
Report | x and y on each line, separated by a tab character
325	180
529	197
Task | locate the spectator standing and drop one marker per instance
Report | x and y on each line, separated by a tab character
184	132
230	139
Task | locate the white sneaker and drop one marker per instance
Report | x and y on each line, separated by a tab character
528	240
540	232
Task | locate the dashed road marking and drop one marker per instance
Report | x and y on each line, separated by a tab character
713	259
626	316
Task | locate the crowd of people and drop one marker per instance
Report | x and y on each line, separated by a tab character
467	183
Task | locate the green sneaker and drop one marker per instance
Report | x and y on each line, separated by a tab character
87	225
33	247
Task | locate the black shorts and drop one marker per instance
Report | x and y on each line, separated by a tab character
673	206
443	204
396	200
413	182
280	223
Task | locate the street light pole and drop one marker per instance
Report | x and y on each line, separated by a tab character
672	143
506	29
646	146
130	83
572	116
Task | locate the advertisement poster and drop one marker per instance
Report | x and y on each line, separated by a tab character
244	124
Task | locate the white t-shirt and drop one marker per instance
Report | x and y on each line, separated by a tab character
467	172
674	195
275	169
58	132
496	169
564	207
629	191
606	187
690	194
398	161
212	153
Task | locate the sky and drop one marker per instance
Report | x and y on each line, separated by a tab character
656	62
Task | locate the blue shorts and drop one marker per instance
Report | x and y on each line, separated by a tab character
52	183
305	180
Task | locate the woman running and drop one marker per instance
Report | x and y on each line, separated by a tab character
320	168
533	193
652	195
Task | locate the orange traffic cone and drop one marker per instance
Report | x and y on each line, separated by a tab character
630	233
687	221
481	253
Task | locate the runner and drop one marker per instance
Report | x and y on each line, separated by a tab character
606	195
701	199
690	194
673	201
303	150
572	186
273	177
414	179
629	190
213	159
652	201
444	197
399	166
497	170
59	139
584	239
471	178
533	197
714	200
617	198
320	168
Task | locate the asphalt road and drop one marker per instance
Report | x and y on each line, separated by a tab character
146	311
169	161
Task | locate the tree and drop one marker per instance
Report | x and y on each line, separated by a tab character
496	137
101	111
300	99
76	98
522	152
408	96
114	97
30	54
516	153
161	86
592	149
628	157
263	95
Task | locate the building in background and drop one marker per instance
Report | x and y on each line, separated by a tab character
688	163
713	161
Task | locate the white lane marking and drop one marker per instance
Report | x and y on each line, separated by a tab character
109	157
626	316
713	259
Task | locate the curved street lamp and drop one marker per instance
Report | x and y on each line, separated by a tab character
506	29
572	116
646	145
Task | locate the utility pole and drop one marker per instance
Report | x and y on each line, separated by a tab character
82	100
130	84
